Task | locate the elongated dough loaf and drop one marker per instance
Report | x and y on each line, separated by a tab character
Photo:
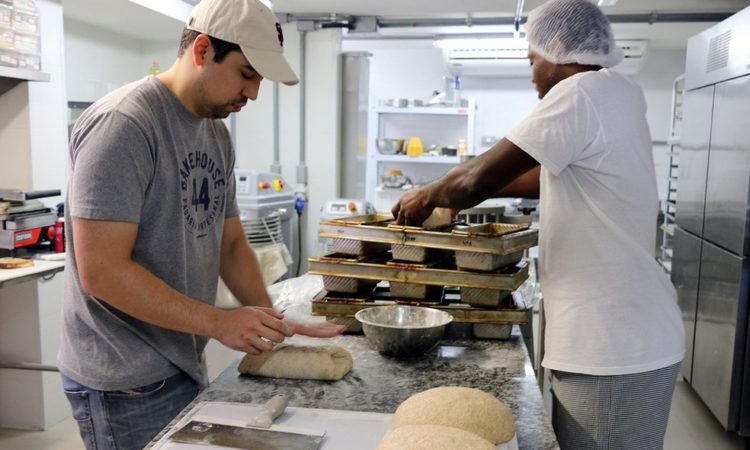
301	362
433	437
469	409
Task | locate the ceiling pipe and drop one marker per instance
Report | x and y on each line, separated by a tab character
646	17
276	164
517	19
650	17
302	166
656	16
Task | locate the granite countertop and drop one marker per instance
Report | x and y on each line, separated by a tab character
379	383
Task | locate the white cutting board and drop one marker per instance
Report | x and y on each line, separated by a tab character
341	428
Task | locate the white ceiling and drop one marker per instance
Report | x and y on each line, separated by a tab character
124	17
431	8
129	18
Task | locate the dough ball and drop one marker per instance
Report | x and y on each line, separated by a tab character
433	437
469	409
439	218
304	362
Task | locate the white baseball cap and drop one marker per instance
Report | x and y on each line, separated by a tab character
252	26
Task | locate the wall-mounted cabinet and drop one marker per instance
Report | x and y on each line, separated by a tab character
436	127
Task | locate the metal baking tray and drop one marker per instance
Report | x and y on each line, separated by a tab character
411	253
347	285
486	298
357	247
378	268
335	306
497	238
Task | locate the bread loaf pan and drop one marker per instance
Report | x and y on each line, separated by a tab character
486	298
486	262
411	253
348	285
492	331
356	247
416	291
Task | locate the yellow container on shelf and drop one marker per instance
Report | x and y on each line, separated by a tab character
461	147
414	147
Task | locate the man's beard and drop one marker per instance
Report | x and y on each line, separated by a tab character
211	111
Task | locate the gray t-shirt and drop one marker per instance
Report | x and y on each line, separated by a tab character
138	155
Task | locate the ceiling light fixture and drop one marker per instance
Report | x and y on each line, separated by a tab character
607	2
478	42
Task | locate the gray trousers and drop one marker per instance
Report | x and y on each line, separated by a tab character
618	412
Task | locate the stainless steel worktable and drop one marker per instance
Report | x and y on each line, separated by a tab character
379	384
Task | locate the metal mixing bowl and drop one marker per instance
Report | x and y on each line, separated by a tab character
389	146
402	330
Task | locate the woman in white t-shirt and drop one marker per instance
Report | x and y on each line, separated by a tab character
614	337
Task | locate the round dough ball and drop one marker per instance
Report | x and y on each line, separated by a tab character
433	437
469	409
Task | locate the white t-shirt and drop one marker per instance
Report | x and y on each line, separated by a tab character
610	308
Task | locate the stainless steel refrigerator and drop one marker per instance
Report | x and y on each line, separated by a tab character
711	241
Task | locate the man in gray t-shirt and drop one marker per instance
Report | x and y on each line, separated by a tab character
153	224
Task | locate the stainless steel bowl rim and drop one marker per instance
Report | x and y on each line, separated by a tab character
359	314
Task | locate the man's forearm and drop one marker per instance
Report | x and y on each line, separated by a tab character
132	289
457	189
483	177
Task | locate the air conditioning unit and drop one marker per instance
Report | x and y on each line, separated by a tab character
635	54
508	57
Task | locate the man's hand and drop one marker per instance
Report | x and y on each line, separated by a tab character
322	330
252	330
413	208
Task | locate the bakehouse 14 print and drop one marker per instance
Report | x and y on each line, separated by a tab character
203	186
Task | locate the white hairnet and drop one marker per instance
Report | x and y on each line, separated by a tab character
572	31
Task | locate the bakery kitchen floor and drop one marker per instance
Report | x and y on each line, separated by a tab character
691	426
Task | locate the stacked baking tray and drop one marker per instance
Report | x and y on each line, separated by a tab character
470	271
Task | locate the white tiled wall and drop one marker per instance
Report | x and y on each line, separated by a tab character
48	107
15	138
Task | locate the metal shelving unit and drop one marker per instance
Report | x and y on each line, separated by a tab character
435	125
673	153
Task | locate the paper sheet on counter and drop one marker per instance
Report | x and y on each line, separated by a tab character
341	428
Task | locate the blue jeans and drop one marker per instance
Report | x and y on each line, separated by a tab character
124	420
